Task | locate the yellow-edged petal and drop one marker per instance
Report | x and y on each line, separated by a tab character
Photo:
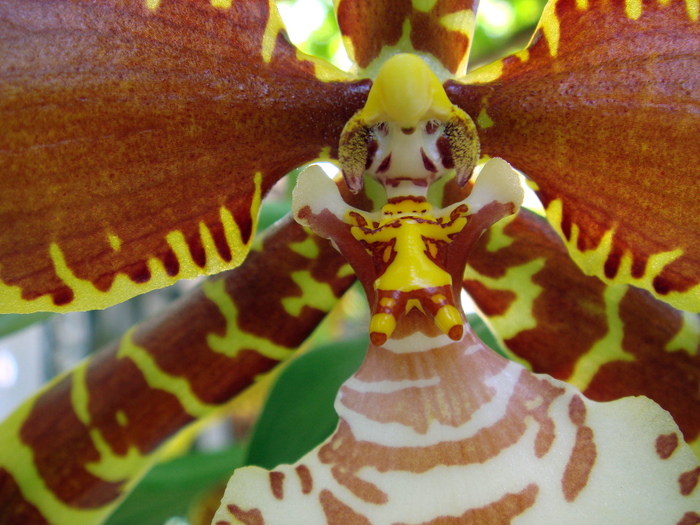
602	111
610	341
137	139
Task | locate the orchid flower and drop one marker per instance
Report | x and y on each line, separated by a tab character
137	140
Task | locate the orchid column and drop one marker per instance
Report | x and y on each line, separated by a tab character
435	428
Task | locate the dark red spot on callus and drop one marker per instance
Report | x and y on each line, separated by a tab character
445	151
385	165
431	127
456	332
427	163
372	146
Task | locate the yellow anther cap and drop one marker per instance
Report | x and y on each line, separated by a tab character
406	91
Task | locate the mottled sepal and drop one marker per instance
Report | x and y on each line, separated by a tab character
438	30
610	341
602	112
434	431
139	136
73	451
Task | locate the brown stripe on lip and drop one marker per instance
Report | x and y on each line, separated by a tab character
498	512
277	484
583	455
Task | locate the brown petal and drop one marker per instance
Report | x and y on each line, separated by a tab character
601	111
137	139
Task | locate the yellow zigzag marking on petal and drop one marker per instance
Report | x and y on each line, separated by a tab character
424	6
114	241
221	4
159	379
345	270
493	71
313	293
550	27
591	262
497	238
235	340
484	120
110	467
461	21
693	8
17	458
523	55
272	29
306	248
688	337
152	5
633	9
484	74
88	297
519	315
607	349
325	71
214	263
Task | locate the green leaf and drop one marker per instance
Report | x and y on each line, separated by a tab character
10	323
169	488
299	413
484	333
